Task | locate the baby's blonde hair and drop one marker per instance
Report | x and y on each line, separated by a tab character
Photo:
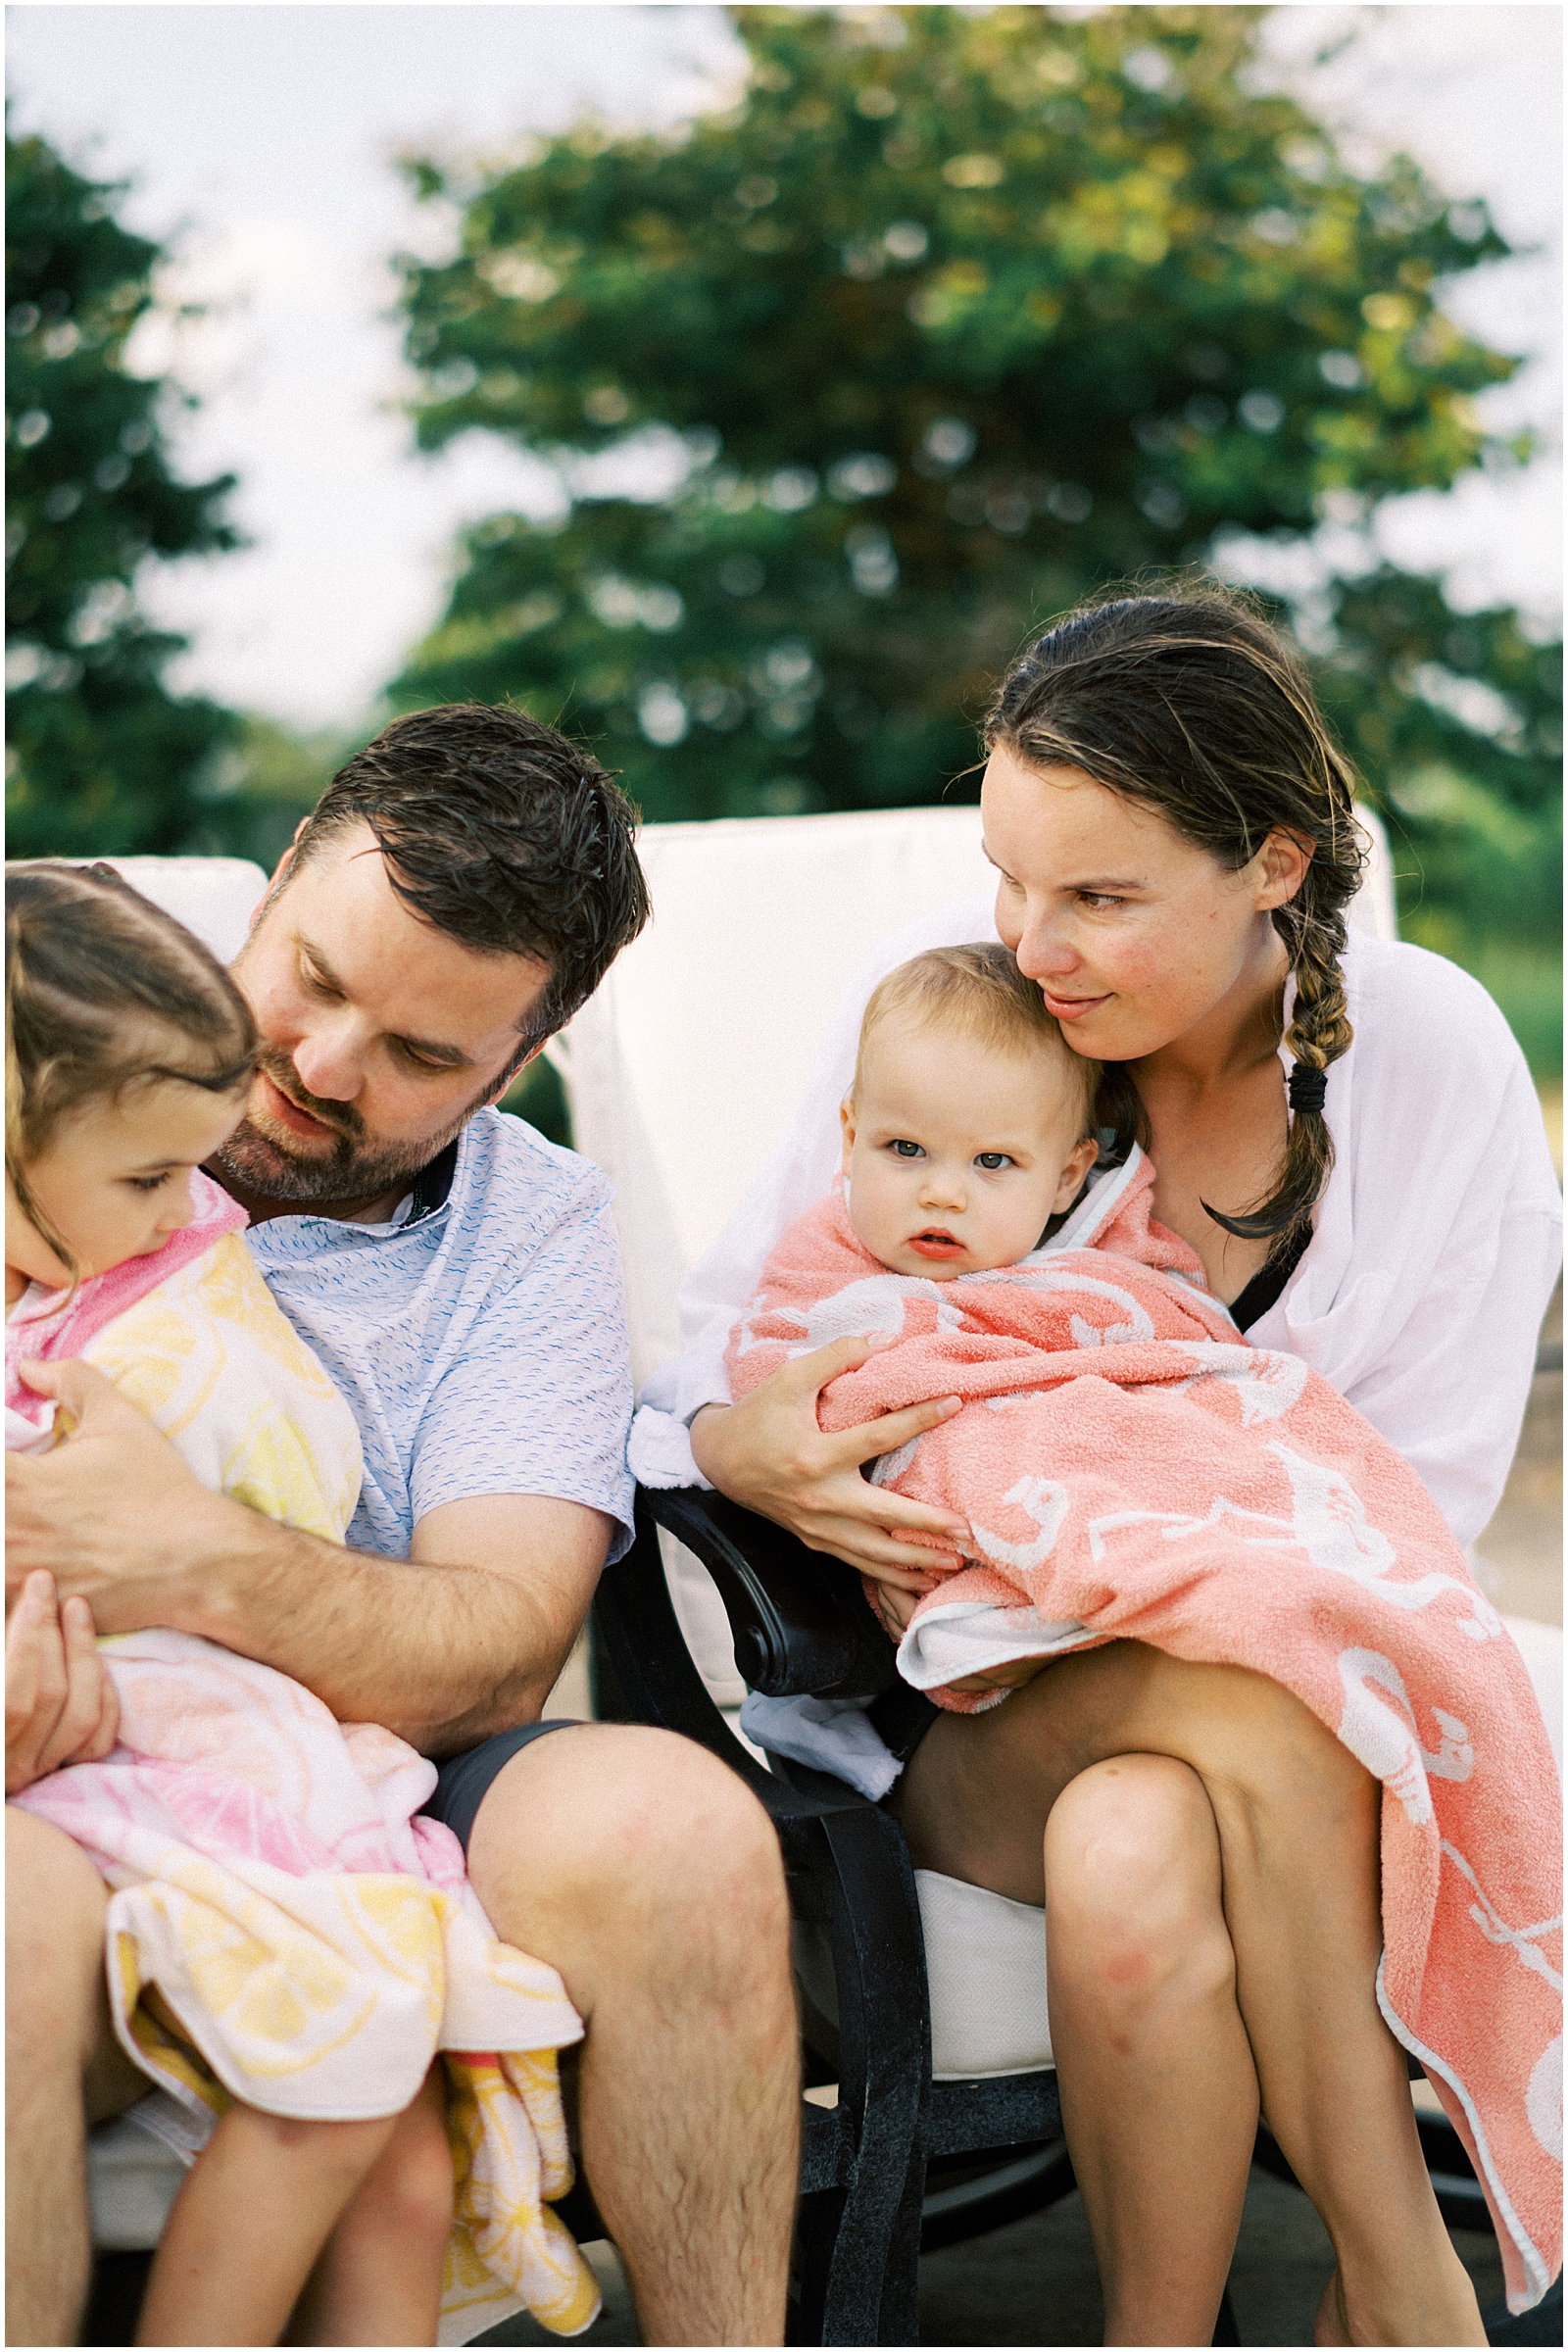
979	991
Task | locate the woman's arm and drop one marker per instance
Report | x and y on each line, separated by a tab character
1438	1239
769	1453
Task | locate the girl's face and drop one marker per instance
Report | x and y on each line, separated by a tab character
114	1180
1133	933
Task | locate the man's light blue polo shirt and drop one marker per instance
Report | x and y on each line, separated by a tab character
482	1345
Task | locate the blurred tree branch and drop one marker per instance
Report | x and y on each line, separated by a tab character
956	316
101	758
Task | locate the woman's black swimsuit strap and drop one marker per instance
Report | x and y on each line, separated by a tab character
1265	1286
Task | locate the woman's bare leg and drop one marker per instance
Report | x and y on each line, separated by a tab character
1297	1819
378	2281
1144	2022
248	2224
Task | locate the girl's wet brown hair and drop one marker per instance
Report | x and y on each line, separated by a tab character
1188	703
103	989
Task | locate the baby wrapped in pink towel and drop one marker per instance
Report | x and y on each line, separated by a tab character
1129	1468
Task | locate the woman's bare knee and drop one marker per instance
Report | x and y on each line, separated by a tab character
1133	1884
1135	1829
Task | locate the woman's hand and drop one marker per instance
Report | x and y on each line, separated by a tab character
769	1453
61	1706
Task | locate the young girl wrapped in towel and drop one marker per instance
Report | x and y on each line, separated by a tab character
1130	1469
292	1950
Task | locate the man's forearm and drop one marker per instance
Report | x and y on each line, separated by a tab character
464	1638
441	1653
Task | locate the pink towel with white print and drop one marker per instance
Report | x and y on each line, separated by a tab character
1131	1469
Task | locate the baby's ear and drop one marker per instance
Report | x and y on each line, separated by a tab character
1080	1160
847	1122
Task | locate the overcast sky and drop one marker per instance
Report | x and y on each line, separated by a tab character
260	139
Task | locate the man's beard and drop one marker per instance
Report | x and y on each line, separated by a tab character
352	1172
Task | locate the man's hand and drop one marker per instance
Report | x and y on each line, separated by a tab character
463	1639
769	1453
61	1706
98	1512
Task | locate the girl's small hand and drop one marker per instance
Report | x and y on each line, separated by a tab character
61	1706
769	1453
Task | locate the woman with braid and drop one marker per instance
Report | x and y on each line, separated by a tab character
1345	1132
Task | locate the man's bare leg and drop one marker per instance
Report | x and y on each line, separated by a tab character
1144	2016
644	1871
63	2069
1298	1825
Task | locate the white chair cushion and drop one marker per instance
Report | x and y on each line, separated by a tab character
985	1963
133	2179
214	896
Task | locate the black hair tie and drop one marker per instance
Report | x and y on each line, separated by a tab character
1308	1088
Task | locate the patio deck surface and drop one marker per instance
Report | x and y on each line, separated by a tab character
1035	2283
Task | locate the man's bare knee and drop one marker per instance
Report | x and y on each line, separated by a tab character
616	1796
618	1830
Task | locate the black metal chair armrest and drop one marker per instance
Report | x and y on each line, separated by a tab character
800	1621
848	1869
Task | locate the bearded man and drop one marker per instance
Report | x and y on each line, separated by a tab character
458	893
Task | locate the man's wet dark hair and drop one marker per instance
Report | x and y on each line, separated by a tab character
504	835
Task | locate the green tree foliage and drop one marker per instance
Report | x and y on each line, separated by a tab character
101	757
959	316
250	797
1457	720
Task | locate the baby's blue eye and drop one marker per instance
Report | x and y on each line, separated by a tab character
992	1160
906	1150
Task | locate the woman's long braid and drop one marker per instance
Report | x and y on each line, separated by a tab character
1318	1033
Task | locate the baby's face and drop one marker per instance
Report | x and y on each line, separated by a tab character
956	1155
